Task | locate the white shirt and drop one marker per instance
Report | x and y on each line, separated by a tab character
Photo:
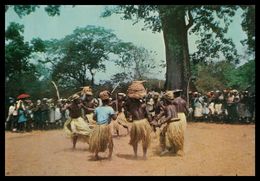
12	111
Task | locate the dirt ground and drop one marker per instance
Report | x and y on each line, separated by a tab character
210	149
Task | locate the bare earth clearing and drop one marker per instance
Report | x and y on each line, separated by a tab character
210	149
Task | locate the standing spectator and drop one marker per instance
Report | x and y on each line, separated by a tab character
198	107
11	121
29	114
44	113
22	119
37	115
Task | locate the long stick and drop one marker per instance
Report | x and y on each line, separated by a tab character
116	104
115	88
74	94
57	91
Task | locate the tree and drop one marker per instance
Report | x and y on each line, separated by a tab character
82	53
213	75
18	69
242	77
137	62
21	75
175	21
248	25
17	51
22	10
224	74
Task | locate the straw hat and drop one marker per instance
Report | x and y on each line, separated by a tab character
104	95
168	95
156	94
75	97
136	90
234	91
87	90
177	90
121	94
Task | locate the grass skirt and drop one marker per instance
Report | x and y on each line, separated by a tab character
77	127
140	130
173	135
183	120
120	120
100	138
90	119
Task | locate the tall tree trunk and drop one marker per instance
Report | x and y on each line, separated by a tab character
92	77
177	52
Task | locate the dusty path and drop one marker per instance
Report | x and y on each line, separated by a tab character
210	149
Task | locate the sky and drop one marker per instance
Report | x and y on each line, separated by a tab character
39	24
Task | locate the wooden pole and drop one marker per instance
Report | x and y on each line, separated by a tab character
57	91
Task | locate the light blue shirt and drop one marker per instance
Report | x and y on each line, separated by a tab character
104	114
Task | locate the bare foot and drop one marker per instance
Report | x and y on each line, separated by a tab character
97	157
164	152
180	153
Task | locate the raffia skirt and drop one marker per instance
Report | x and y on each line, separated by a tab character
77	127
101	138
182	116
90	119
120	120
174	135
140	130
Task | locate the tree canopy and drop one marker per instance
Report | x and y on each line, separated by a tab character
137	62
81	54
209	22
90	47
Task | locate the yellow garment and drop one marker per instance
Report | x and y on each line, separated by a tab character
182	116
120	120
211	107
101	138
218	108
172	136
198	111
90	119
140	130
77	126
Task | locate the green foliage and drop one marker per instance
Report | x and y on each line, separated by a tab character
53	10
23	10
120	77
248	25
38	45
17	51
154	84
14	32
81	53
147	13
243	76
137	62
222	75
210	23
21	75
